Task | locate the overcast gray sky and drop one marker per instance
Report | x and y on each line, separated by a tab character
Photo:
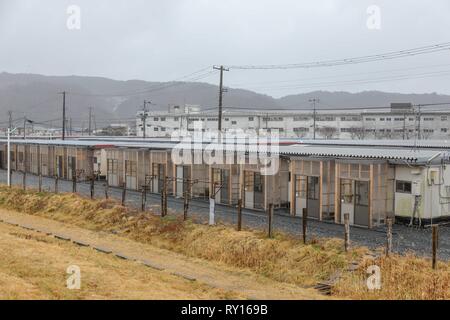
163	40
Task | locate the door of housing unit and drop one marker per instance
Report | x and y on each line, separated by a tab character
361	203
225	182
180	181
258	191
182	184
158	173
313	197
131	174
249	197
112	169
59	167
71	163
347	197
300	194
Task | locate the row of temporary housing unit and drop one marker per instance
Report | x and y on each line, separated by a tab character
329	180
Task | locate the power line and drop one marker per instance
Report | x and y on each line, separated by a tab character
355	60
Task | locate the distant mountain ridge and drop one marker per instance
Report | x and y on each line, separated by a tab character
36	96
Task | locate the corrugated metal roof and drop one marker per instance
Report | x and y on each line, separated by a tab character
333	151
359	152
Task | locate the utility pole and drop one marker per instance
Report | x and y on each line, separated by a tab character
314	101
70	126
90	121
420	119
144	117
64	116
10	119
221	91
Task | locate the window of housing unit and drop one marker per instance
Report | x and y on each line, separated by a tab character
163	119
112	166
233	122
443	118
403	187
428	119
251	119
163	129
399	119
227	119
388	119
428	130
444	130
176	118
155	119
370	119
156	129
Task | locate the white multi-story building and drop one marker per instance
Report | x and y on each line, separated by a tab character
389	123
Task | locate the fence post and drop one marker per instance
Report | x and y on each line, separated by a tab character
304	223
347	231
24	180
124	193
142	199
389	236
186	206
40	182
270	213
164	198
56	184
435	236
74	183
92	187
10	178
239	215
106	190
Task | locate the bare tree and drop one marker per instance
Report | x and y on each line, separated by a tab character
358	133
328	132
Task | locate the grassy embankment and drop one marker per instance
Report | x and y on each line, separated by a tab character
283	258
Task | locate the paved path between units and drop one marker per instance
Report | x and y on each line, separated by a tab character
219	276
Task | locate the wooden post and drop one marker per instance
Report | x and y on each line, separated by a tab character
435	236
10	178
304	223
164	198
92	187
239	215
124	193
40	183
389	236
186	206
24	180
347	232
106	190
56	184
74	183
142	199
270	219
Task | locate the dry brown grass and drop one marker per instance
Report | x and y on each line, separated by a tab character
283	258
402	277
34	267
